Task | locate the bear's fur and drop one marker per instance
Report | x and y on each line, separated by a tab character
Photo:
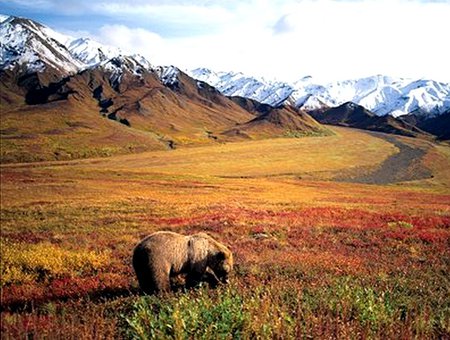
164	259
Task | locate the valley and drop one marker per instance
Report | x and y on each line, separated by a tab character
295	225
405	165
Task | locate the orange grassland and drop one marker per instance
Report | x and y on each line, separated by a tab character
315	257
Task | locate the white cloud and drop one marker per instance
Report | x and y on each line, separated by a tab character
346	39
133	40
290	39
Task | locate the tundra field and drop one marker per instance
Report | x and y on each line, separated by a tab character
341	236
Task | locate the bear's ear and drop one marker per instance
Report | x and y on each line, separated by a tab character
203	235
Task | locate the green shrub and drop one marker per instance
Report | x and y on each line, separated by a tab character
200	314
290	308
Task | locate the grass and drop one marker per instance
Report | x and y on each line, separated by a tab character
288	307
263	158
66	131
314	258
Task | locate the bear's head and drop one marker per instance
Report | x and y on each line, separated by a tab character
216	256
222	264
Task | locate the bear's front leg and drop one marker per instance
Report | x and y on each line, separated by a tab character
193	279
211	278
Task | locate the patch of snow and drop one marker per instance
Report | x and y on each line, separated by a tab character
168	74
91	52
121	64
3	18
59	37
237	84
142	61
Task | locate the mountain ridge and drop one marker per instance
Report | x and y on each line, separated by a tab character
380	94
350	114
408	107
80	98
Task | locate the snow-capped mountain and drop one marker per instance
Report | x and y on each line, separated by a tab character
117	66
237	84
35	47
29	44
380	94
420	97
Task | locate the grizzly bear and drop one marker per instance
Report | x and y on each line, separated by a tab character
165	257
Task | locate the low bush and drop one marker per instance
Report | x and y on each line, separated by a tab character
23	263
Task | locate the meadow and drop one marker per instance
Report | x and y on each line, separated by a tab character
317	255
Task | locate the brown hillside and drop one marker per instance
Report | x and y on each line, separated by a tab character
184	111
120	106
437	125
91	113
270	121
353	115
67	130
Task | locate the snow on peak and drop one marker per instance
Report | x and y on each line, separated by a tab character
379	93
119	65
202	72
24	41
168	74
37	47
141	60
91	52
237	84
4	17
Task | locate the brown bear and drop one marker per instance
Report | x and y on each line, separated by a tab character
166	257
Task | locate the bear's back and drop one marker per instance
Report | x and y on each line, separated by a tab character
163	246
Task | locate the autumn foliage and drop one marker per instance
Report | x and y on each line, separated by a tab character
314	258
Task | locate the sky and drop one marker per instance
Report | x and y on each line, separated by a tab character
279	39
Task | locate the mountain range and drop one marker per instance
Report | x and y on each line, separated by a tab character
416	104
67	97
381	95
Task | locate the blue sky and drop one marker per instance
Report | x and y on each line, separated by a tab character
284	39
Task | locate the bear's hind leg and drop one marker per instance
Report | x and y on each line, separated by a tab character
146	282
161	279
